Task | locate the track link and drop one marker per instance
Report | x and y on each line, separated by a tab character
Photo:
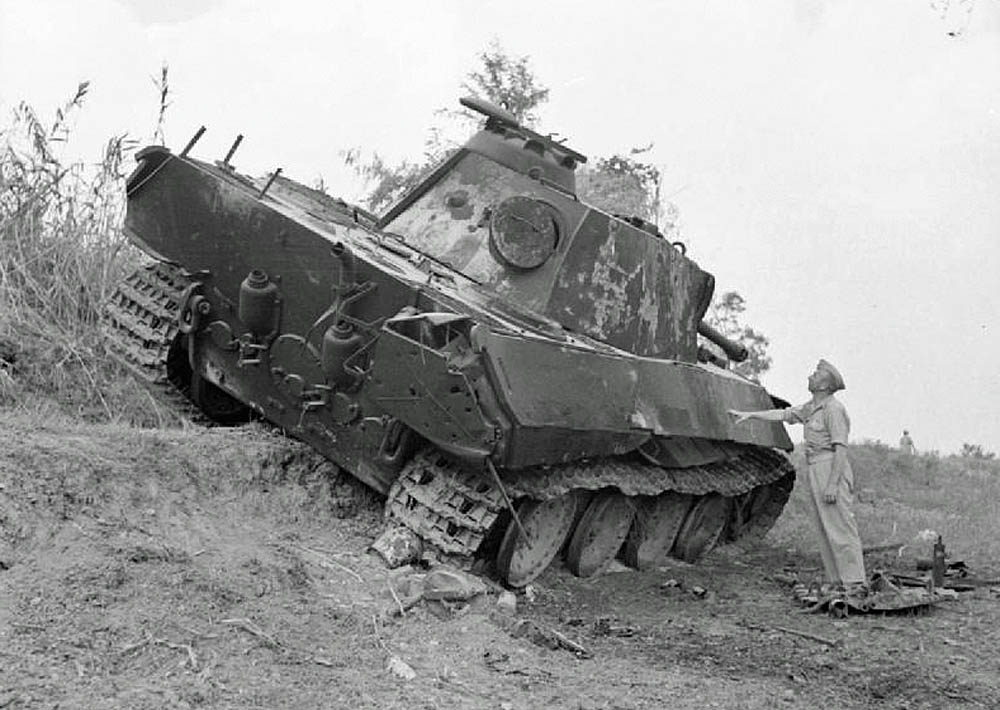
141	325
450	507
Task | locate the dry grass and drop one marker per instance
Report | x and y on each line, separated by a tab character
898	496
61	252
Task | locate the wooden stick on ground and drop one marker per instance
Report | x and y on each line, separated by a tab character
570	644
192	658
807	635
133	647
392	590
324	561
883	548
252	628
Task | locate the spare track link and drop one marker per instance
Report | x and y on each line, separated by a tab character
141	326
452	508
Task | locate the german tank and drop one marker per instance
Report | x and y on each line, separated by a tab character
518	372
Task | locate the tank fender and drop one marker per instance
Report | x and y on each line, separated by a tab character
425	374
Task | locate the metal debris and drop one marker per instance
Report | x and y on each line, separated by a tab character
507	603
400	668
881	594
398	546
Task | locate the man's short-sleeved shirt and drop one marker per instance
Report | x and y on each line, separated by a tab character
826	424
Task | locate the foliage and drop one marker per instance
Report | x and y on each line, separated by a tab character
726	316
162	85
626	186
387	183
503	80
508	82
62	250
977	452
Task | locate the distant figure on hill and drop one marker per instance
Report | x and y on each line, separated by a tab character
831	481
906	444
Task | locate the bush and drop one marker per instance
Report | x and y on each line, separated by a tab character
62	250
976	451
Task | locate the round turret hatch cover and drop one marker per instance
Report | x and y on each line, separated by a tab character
523	232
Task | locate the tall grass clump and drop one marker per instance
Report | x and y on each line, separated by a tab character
62	250
906	500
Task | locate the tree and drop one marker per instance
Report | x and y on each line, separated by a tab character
624	185
726	316
501	79
508	82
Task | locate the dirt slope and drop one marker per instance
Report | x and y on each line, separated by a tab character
228	569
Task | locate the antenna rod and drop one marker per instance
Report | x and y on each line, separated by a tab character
232	149
194	139
274	176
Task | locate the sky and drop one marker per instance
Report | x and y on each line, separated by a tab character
836	162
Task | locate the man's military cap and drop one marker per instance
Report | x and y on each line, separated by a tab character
835	378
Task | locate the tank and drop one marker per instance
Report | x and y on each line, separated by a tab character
518	372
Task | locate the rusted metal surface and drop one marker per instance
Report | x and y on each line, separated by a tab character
557	386
603	277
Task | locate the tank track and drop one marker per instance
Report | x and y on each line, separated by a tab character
732	477
452	509
141	326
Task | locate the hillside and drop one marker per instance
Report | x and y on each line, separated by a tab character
189	567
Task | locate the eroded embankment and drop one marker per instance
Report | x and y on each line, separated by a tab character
141	568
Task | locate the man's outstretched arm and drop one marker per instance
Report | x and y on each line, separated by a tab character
767	415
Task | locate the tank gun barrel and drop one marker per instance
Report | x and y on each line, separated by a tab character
733	350
502	117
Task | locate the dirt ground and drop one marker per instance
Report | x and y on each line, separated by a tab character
228	569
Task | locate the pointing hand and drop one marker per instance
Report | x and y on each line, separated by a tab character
739	416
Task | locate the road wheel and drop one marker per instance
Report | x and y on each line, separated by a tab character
217	404
755	512
702	527
658	519
547	524
600	532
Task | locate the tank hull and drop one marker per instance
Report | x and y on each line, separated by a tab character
403	369
535	382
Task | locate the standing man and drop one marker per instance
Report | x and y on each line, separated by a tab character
831	481
906	444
